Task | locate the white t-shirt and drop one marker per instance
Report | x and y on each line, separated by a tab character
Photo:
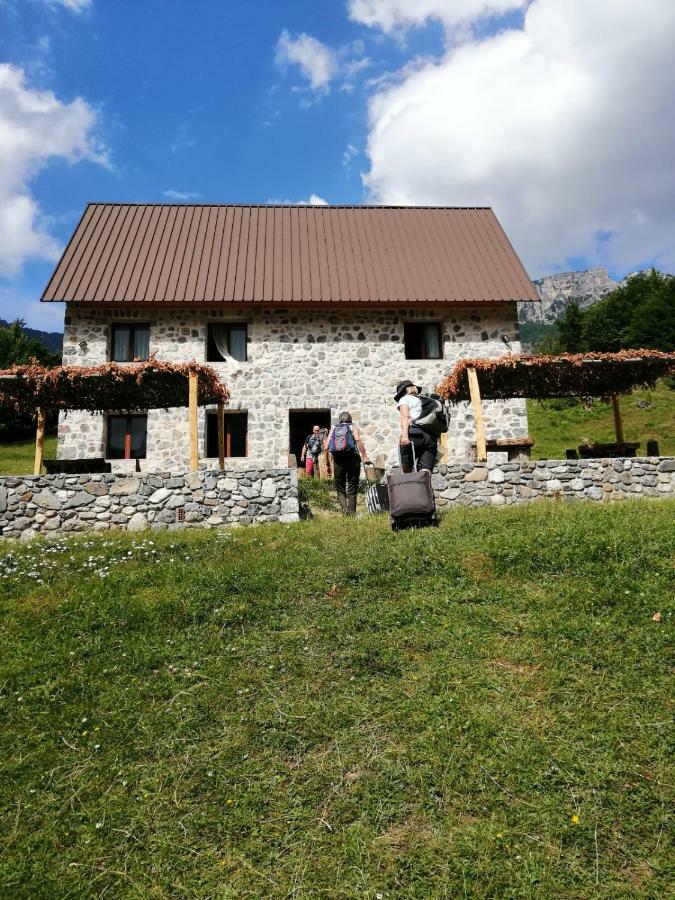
414	404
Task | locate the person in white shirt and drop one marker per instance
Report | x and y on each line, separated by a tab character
424	443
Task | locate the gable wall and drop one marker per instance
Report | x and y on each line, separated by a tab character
298	359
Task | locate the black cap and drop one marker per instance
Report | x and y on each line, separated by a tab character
403	386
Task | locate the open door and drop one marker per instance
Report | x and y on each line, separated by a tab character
300	424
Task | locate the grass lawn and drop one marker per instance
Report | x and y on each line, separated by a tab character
18	457
328	710
556	425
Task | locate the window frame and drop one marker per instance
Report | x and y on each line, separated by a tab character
211	343
212	416
127	435
133	328
422	325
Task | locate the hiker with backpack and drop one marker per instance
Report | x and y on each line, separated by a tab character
423	420
311	451
347	449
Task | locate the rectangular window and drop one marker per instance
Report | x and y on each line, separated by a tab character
236	434
226	340
130	343
127	437
423	340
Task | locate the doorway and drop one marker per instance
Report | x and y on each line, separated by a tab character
300	423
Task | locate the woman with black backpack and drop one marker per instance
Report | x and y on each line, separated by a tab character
346	447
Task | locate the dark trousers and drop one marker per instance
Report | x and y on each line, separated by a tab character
346	472
426	447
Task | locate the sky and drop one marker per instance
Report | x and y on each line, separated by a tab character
557	113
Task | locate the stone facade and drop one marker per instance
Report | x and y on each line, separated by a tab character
332	359
500	484
205	499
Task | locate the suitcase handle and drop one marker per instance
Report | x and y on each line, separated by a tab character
400	460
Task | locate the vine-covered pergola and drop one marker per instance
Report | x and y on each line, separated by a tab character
35	389
604	375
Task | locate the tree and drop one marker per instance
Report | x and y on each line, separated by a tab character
17	349
640	313
569	326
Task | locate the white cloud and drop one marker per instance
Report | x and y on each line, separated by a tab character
35	127
76	6
350	152
390	15
565	127
314	200
316	61
181	196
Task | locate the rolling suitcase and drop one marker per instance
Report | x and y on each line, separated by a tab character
411	500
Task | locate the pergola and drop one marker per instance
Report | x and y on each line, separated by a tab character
604	375
151	385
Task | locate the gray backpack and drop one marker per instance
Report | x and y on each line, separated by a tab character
435	415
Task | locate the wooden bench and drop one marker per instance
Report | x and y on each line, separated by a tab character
76	466
609	451
516	448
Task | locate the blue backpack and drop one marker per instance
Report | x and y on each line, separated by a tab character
342	440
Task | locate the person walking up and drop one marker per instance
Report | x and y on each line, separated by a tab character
424	443
311	450
346	448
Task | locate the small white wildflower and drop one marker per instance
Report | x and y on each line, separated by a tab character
99	825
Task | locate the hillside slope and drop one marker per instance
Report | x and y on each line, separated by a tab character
327	710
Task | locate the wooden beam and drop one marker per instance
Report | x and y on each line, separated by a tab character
194	435
221	435
474	392
618	424
39	440
444	448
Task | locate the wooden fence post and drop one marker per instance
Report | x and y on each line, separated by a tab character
474	392
39	440
221	436
444	448
618	424
194	435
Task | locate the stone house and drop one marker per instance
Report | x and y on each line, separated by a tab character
304	311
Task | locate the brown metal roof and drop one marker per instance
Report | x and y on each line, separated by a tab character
191	254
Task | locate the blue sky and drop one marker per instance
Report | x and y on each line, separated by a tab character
355	101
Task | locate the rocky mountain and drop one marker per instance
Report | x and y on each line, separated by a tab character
558	291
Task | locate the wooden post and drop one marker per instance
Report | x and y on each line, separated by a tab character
39	440
221	436
618	424
444	448
194	436
474	392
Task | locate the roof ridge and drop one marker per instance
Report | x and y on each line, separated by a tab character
283	205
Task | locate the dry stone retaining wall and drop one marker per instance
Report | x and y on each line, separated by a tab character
499	484
204	499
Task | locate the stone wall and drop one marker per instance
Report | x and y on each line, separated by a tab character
499	484
205	499
332	359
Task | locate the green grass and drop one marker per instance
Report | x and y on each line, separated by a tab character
329	710
17	457
556	425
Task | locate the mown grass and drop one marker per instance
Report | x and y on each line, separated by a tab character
556	425
328	710
17	457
